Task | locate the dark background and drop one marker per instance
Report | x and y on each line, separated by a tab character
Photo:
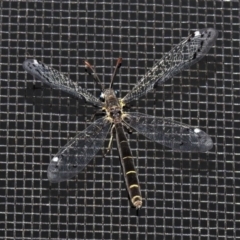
186	195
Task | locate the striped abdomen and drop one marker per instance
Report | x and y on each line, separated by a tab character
129	171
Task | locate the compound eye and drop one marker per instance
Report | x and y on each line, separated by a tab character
102	97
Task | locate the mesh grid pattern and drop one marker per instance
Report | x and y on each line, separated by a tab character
186	196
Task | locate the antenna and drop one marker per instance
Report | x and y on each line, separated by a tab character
93	73
118	65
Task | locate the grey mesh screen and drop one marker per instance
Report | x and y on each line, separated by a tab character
186	195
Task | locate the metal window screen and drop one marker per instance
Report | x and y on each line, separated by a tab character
186	196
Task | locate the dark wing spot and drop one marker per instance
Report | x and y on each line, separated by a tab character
194	55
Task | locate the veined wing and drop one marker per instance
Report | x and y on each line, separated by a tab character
57	80
181	57
179	137
72	158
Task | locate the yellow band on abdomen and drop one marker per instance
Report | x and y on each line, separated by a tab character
130	172
134	185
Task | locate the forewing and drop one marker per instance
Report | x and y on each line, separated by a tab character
179	137
181	57
57	80
72	158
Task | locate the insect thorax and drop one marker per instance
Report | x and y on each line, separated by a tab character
112	106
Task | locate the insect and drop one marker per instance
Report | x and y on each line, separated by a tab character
77	153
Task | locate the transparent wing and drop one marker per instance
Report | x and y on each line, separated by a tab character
72	158
179	137
181	57
57	80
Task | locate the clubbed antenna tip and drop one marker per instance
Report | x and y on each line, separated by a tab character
118	65
93	73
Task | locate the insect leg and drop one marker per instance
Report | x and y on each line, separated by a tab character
110	142
97	113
